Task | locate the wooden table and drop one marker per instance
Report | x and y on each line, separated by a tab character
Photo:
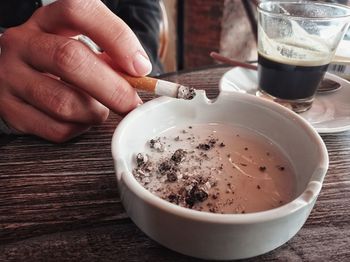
60	202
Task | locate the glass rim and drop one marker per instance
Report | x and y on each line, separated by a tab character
311	3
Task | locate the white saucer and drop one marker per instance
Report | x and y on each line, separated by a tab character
330	112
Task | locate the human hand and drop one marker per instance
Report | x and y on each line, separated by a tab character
54	86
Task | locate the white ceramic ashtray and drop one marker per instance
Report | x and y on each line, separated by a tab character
231	178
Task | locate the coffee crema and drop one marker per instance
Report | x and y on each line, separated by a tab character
216	168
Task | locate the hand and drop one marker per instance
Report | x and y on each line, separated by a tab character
54	86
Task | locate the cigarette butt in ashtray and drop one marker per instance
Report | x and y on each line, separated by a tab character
149	84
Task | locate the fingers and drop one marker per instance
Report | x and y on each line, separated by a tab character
55	98
78	65
74	63
94	19
28	120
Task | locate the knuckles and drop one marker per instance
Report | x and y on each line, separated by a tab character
65	104
9	37
70	56
58	101
69	106
66	107
62	105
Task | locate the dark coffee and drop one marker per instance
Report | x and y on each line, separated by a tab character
289	82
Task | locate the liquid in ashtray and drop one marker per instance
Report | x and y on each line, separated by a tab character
216	168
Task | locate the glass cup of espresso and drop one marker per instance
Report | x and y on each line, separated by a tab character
296	43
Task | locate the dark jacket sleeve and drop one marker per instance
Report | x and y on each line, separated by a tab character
143	17
16	12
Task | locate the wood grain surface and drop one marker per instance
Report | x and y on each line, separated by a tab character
60	202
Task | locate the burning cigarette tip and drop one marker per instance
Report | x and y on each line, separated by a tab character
185	92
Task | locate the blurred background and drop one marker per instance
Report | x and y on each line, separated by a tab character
195	28
191	29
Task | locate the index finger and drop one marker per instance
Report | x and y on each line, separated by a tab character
94	19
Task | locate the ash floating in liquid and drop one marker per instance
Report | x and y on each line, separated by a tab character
216	169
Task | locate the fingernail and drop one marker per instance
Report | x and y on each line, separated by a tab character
142	65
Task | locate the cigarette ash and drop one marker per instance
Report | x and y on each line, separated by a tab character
185	92
189	176
180	177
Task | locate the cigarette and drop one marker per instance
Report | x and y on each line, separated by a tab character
160	87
